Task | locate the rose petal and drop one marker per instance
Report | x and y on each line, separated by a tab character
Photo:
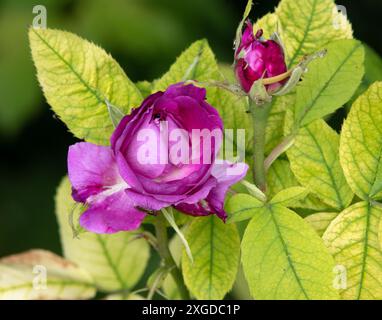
226	174
112	214
91	169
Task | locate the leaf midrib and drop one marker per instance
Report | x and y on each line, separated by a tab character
110	262
335	187
87	86
306	32
285	247
365	251
325	86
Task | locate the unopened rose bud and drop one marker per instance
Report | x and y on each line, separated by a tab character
257	58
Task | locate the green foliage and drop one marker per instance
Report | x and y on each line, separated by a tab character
280	177
242	206
373	71
308	25
116	261
315	162
320	221
196	63
22	278
215	247
77	77
283	255
289	196
330	82
352	239
283	258
361	144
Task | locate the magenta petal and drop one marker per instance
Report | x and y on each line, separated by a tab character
91	168
112	214
146	201
196	209
227	174
180	89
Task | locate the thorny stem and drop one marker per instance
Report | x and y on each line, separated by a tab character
260	114
165	254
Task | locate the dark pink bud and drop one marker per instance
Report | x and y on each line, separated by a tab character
258	58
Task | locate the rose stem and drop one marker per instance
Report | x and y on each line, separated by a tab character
165	254
260	114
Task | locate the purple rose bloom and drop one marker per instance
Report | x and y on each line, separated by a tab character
118	188
257	58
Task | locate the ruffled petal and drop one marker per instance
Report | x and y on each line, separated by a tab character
91	169
112	214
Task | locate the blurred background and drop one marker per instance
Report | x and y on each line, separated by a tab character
144	36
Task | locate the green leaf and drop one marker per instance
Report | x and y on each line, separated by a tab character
308	25
116	261
77	77
40	274
352	239
288	197
320	221
314	160
215	247
196	63
145	87
269	23
280	177
373	71
330	81
242	206
283	258
361	144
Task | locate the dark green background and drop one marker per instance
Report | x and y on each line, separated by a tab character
144	36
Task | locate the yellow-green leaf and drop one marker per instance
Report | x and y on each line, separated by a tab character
289	196
361	144
40	274
196	63
315	162
280	177
77	77
352	238
308	25
320	221
242	206
116	261
330	81
269	24
215	247
284	258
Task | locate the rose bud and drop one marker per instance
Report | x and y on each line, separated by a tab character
119	188
256	58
